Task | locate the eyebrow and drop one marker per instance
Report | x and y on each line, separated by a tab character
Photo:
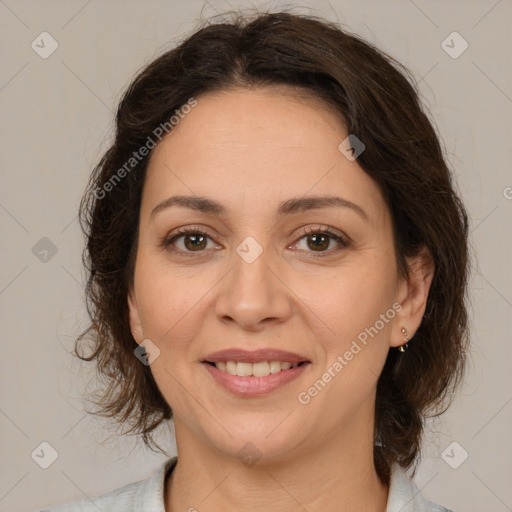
299	204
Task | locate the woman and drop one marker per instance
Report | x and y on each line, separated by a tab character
278	262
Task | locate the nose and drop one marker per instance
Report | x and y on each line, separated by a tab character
253	294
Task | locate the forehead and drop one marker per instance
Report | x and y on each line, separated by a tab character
264	145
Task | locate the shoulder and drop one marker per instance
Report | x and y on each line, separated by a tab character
143	496
404	495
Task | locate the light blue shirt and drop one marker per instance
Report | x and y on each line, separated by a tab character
148	496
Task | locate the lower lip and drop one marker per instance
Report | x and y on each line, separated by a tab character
254	386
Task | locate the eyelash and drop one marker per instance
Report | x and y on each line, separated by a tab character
323	230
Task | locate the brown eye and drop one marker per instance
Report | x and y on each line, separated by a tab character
196	240
319	240
193	241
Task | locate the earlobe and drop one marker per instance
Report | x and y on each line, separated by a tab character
134	316
414	295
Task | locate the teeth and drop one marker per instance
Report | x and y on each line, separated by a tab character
221	365
261	369
231	367
244	369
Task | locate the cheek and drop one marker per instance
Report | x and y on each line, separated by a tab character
356	303
167	300
355	308
171	309
358	310
351	297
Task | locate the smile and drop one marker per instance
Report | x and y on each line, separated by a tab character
256	379
259	369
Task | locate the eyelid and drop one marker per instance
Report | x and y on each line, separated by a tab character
323	228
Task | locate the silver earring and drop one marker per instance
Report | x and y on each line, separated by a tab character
405	346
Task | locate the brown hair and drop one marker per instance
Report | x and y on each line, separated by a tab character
380	105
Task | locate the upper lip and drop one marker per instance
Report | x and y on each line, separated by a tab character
255	356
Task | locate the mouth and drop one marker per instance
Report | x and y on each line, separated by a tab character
251	374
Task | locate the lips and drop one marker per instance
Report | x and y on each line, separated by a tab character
255	373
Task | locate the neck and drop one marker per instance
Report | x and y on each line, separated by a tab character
339	476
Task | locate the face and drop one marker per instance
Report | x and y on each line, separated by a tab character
262	273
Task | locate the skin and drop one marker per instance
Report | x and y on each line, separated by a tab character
250	150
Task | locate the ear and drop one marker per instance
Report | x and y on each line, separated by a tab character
134	316
412	295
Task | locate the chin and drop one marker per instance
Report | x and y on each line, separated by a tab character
267	439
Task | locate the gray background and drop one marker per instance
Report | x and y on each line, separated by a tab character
57	120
